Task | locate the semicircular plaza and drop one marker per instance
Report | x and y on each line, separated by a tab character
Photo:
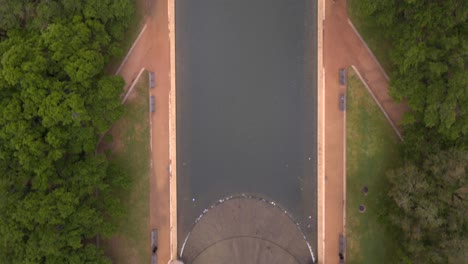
246	230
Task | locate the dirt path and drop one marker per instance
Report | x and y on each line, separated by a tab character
151	51
343	48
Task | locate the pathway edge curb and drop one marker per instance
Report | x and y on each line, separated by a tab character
368	49
172	135
320	135
132	85
377	101
131	50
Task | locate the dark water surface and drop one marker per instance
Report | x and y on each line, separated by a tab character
246	105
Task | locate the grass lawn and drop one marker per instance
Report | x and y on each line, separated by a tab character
372	149
130	150
372	34
134	28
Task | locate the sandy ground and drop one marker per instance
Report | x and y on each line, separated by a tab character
343	48
151	51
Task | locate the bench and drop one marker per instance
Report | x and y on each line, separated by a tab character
152	104
154	246
342	102
342	76
152	83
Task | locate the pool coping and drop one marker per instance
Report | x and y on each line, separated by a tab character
320	135
172	133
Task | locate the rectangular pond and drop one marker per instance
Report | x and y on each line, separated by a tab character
246	106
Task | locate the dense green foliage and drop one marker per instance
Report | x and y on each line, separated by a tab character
429	53
55	100
433	199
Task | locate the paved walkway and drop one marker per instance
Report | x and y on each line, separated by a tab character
343	48
151	51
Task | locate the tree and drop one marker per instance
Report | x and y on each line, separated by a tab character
430	54
55	101
12	14
432	199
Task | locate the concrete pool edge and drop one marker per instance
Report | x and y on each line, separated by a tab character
320	254
172	134
320	135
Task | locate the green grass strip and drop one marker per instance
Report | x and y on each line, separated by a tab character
131	152
372	149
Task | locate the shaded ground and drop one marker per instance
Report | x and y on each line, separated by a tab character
130	152
372	149
241	230
373	35
136	24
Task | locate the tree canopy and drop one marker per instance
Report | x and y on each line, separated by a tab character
433	199
430	54
55	101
